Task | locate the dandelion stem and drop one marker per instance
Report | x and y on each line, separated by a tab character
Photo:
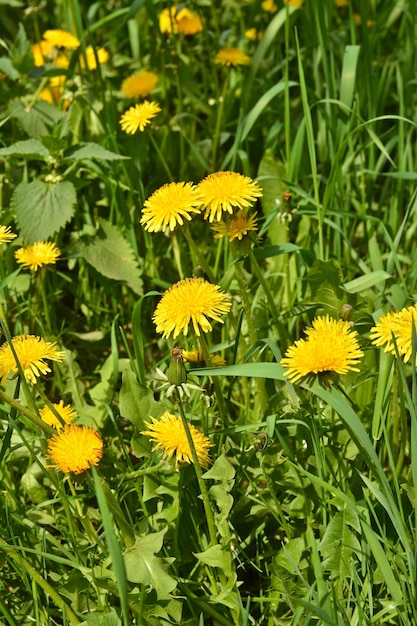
161	158
220	111
196	250
216	383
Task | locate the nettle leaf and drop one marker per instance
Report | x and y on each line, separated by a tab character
92	151
37	119
42	208
340	544
100	619
143	567
31	148
111	255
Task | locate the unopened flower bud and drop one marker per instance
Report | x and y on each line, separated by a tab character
176	374
346	312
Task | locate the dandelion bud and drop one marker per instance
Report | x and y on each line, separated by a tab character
177	374
346	312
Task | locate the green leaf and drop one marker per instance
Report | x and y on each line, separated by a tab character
142	566
91	151
42	209
31	148
35	120
324	279
339	544
7	68
214	556
137	402
221	469
366	282
100	619
20	53
111	255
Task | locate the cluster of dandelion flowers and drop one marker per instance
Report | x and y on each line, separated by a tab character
37	255
139	116
226	191
331	347
74	449
6	235
168	434
139	84
65	411
169	205
94	56
231	57
31	352
179	21
394	332
191	301
236	226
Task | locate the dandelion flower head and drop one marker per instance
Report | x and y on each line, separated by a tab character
139	116
197	358
331	346
191	301
270	6
237	226
75	448
226	191
66	412
169	205
253	34
92	55
183	21
395	328
231	57
37	255
168	434
139	84
61	39
6	235
31	352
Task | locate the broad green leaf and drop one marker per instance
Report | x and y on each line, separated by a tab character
137	402
144	567
366	282
339	544
20	53
221	469
111	255
31	148
35	120
42	209
7	68
215	556
91	151
100	619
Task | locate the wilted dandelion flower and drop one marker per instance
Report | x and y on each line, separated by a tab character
75	449
6	235
190	301
139	116
331	347
169	205
183	21
37	255
31	352
61	39
139	84
226	191
66	412
231	57
168	434
237	226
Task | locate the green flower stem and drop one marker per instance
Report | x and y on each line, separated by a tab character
37	421
217	388
243	293
270	298
40	284
199	473
196	250
39	580
161	158
144	472
220	111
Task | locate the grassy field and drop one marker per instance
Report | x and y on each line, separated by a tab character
208	316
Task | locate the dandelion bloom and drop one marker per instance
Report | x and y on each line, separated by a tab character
92	55
341	3
139	116
31	352
395	328
37	255
226	191
168	434
169	205
231	57
61	39
294	3
42	51
139	84
197	357
270	6
75	448
66	412
192	300
236	227
184	21
331	346
6	235
253	34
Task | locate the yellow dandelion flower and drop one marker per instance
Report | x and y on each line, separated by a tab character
253	34
169	205
294	3
270	6
92	55
139	84
382	333
331	347
190	301
139	116
395	328
42	52
31	352
236	227
184	21
226	191
66	412
61	39
197	358
341	3
75	448
37	255
231	57
169	435
6	235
